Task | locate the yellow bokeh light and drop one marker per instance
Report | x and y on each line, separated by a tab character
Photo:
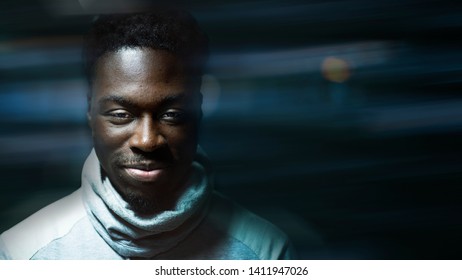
335	69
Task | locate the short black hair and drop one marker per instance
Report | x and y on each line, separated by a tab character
175	31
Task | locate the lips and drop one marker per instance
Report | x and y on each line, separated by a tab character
144	175
144	172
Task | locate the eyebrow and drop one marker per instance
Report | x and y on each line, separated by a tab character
117	99
130	104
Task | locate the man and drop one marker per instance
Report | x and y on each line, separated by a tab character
147	191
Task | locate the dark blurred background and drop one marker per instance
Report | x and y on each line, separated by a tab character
339	121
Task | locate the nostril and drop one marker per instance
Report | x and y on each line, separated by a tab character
146	136
161	155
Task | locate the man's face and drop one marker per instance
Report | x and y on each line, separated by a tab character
144	115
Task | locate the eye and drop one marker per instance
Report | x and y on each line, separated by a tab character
173	116
119	116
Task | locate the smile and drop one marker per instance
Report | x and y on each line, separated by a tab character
144	175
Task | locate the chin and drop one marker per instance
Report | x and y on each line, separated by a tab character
142	205
147	198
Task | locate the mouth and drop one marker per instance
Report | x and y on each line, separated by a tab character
144	172
144	175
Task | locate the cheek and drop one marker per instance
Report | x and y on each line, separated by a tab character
182	141
107	138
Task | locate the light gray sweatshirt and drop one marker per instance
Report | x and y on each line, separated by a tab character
94	222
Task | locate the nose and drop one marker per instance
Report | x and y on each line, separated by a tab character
146	136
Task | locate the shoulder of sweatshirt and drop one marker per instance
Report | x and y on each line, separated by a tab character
262	237
23	240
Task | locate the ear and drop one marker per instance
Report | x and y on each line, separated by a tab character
89	110
89	122
200	98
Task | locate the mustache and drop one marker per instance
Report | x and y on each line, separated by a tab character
161	156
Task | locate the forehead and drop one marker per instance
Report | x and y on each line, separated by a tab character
142	75
139	64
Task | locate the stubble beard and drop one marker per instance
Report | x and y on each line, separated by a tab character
142	205
147	202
